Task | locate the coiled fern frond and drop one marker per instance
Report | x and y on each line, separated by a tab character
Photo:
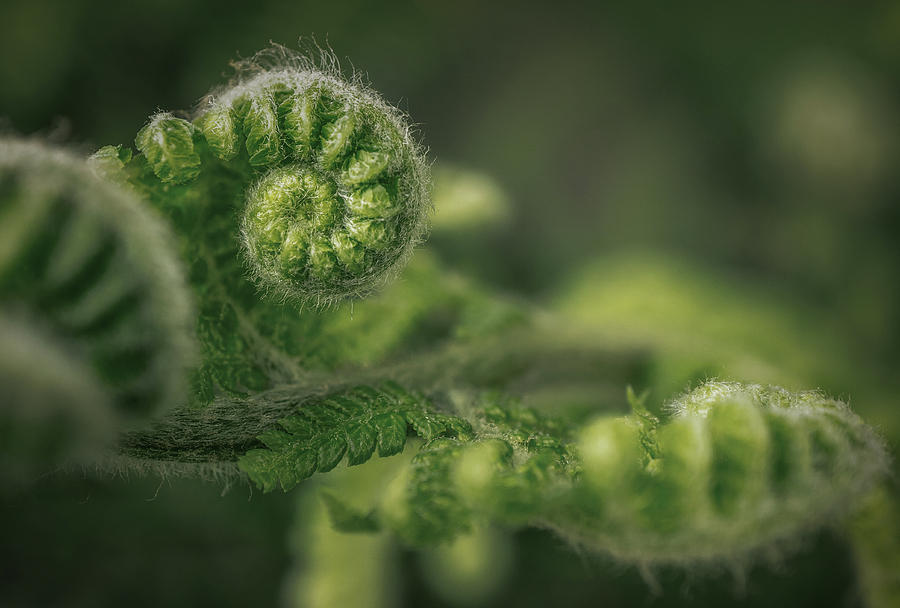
291	186
734	469
84	264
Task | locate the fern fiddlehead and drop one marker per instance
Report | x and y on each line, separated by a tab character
84	264
315	185
343	189
290	186
736	468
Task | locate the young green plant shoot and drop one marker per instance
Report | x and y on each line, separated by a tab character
288	192
336	190
290	187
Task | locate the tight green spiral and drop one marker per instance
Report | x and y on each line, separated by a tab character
84	264
336	189
737	467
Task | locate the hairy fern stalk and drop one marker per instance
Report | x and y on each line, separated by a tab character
293	187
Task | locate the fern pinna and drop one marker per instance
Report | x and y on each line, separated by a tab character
293	187
351	423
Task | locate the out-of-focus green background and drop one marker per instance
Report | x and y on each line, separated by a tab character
722	169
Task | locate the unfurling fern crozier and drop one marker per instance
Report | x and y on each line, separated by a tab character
92	271
735	468
336	192
295	185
